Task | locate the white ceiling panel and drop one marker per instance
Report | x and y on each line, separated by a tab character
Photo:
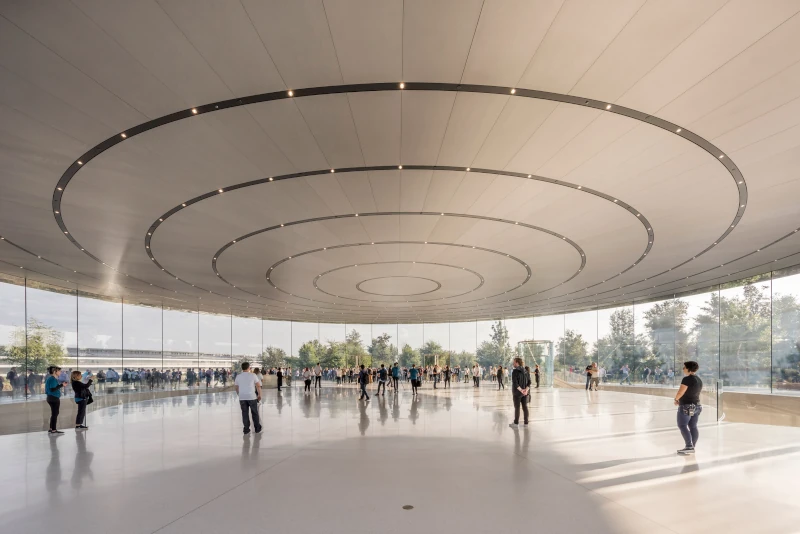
508	34
368	37
331	122
574	40
298	39
377	118
470	122
284	123
425	119
436	38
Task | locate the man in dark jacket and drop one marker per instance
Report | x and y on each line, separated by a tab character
363	380
520	382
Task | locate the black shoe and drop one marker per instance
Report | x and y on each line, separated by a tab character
246	432
686	451
258	430
54	432
81	427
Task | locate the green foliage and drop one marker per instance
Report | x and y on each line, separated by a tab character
310	353
498	350
431	353
572	349
44	348
409	356
382	351
356	354
272	357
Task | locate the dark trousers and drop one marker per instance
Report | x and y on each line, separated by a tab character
396	382
446	382
55	404
81	417
537	381
308	385
381	383
363	391
523	401
588	381
500	384
318	382
252	407
688	426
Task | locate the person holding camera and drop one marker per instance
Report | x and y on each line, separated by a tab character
689	409
82	396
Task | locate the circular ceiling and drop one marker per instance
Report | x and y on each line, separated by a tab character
410	195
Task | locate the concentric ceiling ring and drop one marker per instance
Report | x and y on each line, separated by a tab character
409	86
359	288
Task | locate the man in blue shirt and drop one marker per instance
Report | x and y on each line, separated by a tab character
395	376
414	372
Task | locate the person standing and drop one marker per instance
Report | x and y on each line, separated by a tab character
595	377
383	376
476	377
435	375
536	373
52	389
249	389
82	395
626	375
446	372
280	378
307	379
414	374
395	376
318	376
499	374
363	380
588	371
520	387
689	408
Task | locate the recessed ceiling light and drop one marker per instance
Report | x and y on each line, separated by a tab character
441	214
608	106
56	211
281	224
580	187
721	156
513	91
741	181
399	166
59	188
468	169
148	233
270	178
66	232
402	85
356	214
123	135
220	190
80	162
678	130
234	241
290	93
333	170
194	111
162	220
741	206
184	204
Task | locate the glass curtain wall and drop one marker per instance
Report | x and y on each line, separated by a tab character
746	333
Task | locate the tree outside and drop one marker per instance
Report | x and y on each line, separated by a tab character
45	347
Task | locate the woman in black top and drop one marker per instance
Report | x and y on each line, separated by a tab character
500	377
688	402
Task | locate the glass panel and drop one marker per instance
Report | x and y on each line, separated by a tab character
180	340
700	334
306	348
462	347
654	326
143	323
99	338
550	329
52	333
215	347
383	347
786	331
246	342
616	349
278	342
436	343
744	334
410	341
332	338
13	363
359	337
579	343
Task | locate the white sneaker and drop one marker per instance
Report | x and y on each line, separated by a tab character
513	425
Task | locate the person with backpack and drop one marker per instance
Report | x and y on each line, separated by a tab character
414	374
382	377
363	380
395	376
520	387
82	396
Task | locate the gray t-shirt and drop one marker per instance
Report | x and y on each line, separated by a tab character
247	386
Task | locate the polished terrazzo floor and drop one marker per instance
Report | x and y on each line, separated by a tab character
590	462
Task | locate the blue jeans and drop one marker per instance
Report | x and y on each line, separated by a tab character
688	426
364	390
588	381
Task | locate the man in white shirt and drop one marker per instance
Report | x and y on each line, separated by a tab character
318	376
248	386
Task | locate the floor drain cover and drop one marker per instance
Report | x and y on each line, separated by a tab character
408	507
